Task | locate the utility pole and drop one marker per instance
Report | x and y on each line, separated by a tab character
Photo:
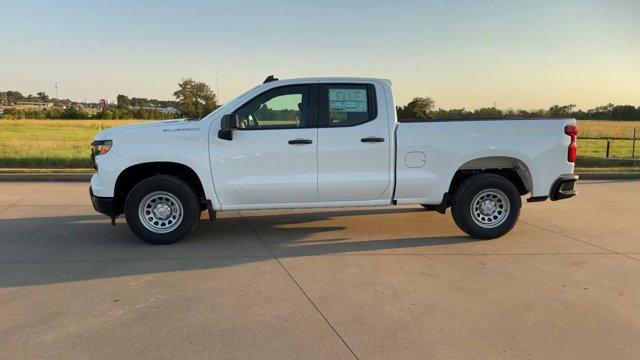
217	86
56	86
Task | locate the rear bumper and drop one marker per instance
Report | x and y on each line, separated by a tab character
104	205
564	187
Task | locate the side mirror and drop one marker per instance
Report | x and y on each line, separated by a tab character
228	123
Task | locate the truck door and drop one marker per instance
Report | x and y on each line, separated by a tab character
353	143
272	157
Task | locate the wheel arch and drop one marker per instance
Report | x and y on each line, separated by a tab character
513	169
133	174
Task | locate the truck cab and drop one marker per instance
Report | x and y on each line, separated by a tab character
304	142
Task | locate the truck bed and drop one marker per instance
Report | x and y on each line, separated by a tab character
535	147
516	118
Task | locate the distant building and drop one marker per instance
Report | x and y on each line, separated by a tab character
170	110
86	106
29	105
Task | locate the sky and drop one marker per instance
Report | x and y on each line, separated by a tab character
511	54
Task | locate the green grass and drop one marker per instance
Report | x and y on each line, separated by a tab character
50	144
608	129
598	148
604	129
65	144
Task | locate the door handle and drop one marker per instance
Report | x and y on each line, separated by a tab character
300	142
372	139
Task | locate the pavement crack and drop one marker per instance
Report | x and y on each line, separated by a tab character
23	199
580	240
298	286
456	254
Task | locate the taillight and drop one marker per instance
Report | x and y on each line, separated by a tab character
572	131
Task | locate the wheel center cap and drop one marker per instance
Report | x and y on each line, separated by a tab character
162	211
487	207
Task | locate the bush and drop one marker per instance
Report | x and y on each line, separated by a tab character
24	114
73	113
144	114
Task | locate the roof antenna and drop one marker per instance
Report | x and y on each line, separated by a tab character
269	79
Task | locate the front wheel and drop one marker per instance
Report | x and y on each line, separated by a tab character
486	206
162	209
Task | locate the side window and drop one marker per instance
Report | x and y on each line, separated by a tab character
280	108
350	105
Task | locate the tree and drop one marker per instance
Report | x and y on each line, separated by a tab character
490	112
601	112
561	110
195	99
72	112
625	112
14	96
418	108
42	96
461	113
123	101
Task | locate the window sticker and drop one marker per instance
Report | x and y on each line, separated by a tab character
348	100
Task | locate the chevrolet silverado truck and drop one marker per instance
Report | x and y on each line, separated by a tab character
328	142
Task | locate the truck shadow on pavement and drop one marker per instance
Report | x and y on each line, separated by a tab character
48	250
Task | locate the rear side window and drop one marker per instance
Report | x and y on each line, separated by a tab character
349	105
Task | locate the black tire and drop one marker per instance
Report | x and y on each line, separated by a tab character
180	190
475	222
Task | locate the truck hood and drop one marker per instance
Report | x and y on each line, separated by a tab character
108	134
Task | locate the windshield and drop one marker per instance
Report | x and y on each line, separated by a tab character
226	107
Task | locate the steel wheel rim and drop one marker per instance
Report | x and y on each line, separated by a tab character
160	212
490	208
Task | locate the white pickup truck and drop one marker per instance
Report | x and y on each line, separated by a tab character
327	142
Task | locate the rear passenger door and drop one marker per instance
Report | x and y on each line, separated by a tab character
353	143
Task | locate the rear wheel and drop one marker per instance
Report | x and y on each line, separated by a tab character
486	206
162	209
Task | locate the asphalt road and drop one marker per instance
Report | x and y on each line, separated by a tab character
367	283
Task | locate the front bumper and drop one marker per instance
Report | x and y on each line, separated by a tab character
564	187
104	205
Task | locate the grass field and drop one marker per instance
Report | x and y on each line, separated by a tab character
50	144
58	144
608	128
603	129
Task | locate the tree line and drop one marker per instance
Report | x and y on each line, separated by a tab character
12	97
124	102
72	112
196	99
424	108
193	99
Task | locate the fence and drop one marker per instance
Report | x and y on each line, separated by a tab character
611	146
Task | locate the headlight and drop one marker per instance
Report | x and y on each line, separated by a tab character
99	147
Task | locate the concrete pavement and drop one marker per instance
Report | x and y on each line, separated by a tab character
368	283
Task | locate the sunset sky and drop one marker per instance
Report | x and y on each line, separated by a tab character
515	54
